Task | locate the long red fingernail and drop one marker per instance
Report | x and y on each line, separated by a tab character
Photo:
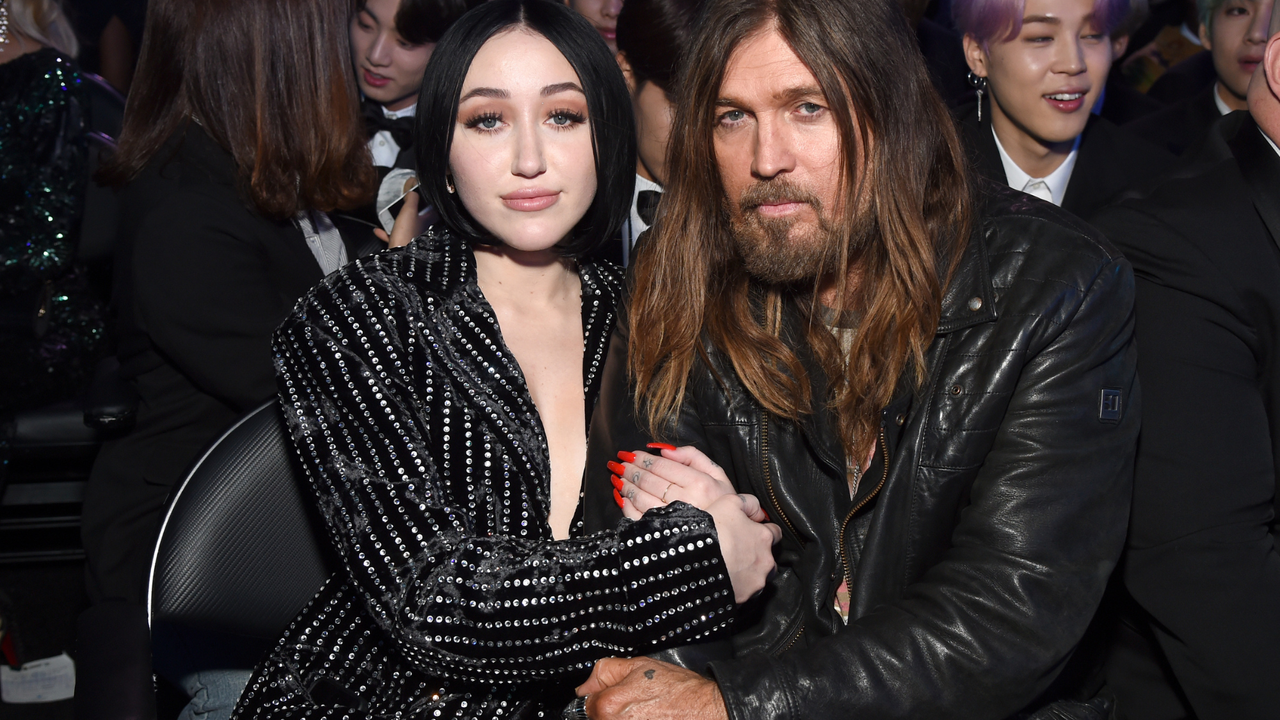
661	446
617	482
627	456
766	514
617	468
617	498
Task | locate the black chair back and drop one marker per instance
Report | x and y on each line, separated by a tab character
239	551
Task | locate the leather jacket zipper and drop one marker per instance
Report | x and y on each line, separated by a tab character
844	553
794	639
768	478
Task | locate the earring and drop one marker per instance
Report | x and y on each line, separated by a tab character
4	22
979	84
448	184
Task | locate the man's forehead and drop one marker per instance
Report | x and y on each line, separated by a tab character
764	64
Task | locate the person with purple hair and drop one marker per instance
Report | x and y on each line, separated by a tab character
1039	67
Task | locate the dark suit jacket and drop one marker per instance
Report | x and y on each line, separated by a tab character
1181	126
1185	79
1110	162
1122	104
1202	562
202	281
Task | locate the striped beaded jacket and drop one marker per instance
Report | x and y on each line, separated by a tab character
429	466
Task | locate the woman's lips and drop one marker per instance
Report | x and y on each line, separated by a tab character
1248	65
609	34
531	199
375	80
1067	102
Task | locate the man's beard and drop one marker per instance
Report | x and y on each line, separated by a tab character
766	246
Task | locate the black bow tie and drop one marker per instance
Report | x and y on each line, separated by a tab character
401	129
647	205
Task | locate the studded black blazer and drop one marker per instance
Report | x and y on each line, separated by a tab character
430	469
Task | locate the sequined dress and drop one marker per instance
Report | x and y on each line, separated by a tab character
431	470
51	320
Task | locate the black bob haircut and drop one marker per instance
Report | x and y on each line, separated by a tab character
613	134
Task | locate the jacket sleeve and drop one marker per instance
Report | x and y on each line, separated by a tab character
1202	556
457	603
988	626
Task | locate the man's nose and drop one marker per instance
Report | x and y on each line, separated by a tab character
379	54
1069	60
774	151
1261	23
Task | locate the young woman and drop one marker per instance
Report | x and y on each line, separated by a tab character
241	133
439	394
1039	66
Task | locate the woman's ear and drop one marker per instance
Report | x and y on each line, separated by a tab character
976	55
627	73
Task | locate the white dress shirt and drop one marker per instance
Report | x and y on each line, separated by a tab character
1270	142
1051	188
1223	108
632	228
382	145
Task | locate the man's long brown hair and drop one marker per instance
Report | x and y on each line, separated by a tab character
904	216
271	82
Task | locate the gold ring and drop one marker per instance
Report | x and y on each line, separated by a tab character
664	492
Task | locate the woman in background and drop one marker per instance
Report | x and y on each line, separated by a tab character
1039	67
241	133
51	321
439	395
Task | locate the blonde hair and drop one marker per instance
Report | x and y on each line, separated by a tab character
44	22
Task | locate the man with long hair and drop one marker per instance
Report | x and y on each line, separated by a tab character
928	380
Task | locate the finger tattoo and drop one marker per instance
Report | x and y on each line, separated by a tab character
648	674
636	478
631	494
648	463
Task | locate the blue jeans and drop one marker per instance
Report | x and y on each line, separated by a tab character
213	693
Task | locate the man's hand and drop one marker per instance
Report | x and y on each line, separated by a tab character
635	688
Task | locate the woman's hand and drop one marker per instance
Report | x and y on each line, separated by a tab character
645	480
407	226
745	543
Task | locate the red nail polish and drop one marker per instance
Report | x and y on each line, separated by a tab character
627	456
662	446
617	468
617	498
617	482
766	514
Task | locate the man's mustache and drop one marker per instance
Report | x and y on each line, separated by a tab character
775	192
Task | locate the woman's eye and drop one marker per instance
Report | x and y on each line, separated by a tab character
565	118
732	116
485	123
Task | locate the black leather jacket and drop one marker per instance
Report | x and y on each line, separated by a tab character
994	524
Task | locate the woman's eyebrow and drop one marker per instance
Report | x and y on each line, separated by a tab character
561	87
487	92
